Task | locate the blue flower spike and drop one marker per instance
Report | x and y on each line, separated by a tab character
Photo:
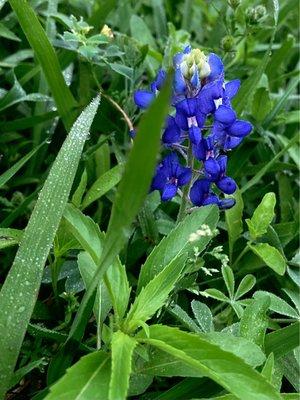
200	94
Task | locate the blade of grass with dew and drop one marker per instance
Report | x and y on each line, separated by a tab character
20	289
47	57
5	177
131	192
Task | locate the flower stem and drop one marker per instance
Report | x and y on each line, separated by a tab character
185	192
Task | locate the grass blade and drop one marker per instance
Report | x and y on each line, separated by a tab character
18	294
46	55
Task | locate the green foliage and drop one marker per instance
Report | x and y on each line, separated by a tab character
132	303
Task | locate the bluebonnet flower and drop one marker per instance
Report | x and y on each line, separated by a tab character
200	94
170	175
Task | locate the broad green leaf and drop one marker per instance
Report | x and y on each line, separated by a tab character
141	32
277	304
9	237
254	321
45	53
102	185
289	365
223	367
283	340
268	368
122	347
285	396
5	177
178	242
279	56
262	216
271	256
27	269
100	12
87	232
88	379
131	192
245	286
203	316
157	290
229	280
159	17
234	222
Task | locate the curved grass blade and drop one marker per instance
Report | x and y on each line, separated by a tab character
18	165
18	294
47	57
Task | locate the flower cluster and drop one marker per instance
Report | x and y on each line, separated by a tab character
203	124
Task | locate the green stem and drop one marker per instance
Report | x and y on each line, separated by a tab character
184	201
241	255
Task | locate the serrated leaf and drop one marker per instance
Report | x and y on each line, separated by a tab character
88	379
271	256
215	294
277	304
183	317
27	269
122	347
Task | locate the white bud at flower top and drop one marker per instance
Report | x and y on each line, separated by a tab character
196	59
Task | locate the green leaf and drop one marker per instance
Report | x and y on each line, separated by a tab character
245	286
262	104
122	347
79	192
223	367
9	237
283	340
215	294
277	304
178	242
229	280
271	256
234	222
45	53
184	319
87	232
203	316
279	56
132	191
88	379
27	269
7	33
21	372
7	175
254	321
141	32
102	185
262	216
157	290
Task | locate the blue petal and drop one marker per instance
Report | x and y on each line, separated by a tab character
216	66
211	199
169	191
225	115
132	133
199	151
181	120
185	176
160	78
240	128
195	134
169	162
199	191
200	117
227	185
222	161
143	98
179	82
188	107
159	181
187	49
232	87
172	132
231	142
212	169
218	132
225	204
